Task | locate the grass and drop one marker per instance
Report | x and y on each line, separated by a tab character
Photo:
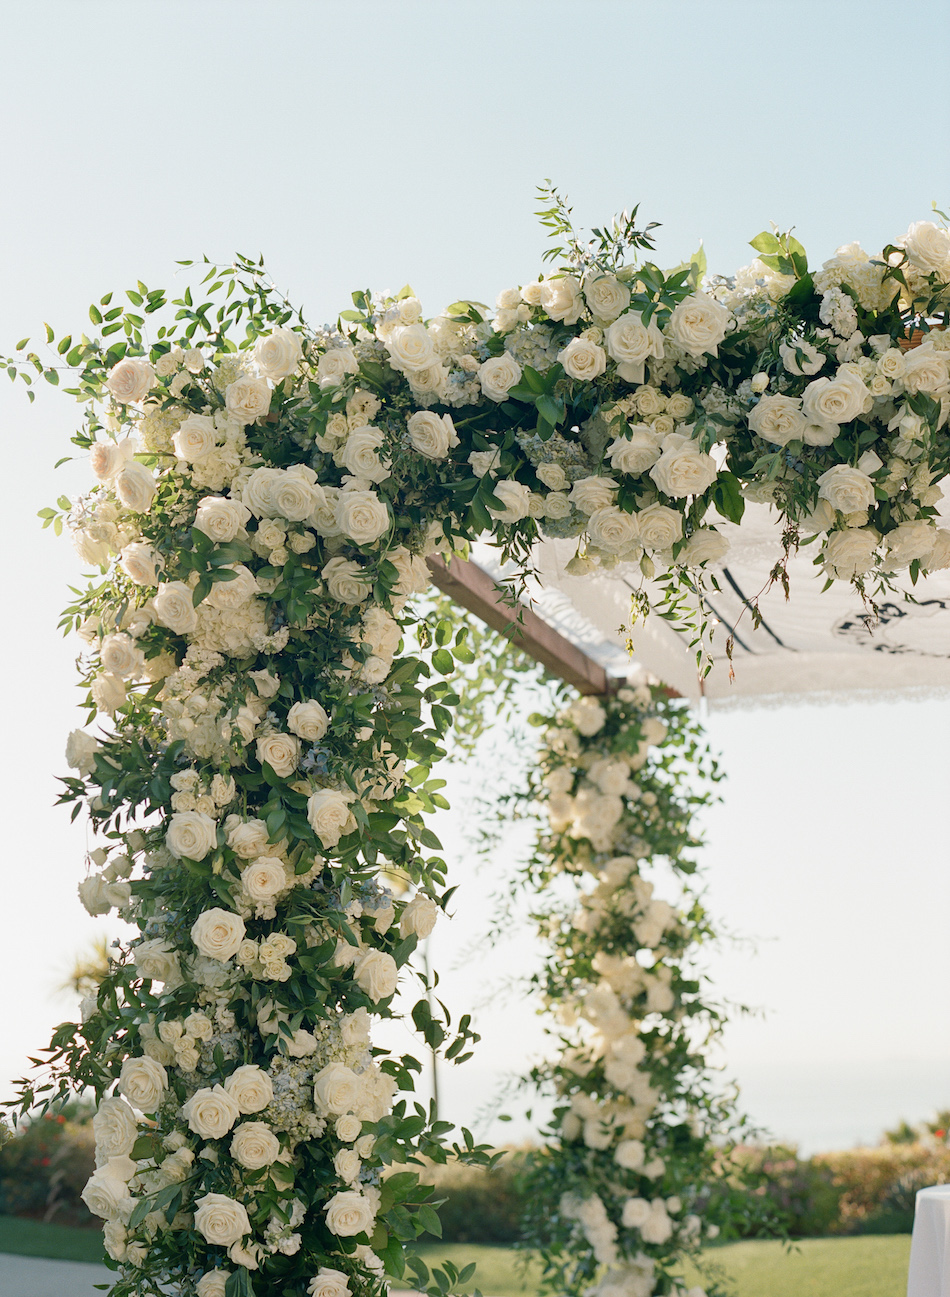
868	1266
60	1242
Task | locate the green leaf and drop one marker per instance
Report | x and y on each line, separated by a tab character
443	661
727	496
550	408
765	242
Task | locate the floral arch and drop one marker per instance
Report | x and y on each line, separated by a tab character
272	701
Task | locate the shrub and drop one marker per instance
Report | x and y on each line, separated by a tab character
480	1206
44	1167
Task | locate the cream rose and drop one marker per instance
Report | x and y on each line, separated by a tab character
592	493
498	375
846	489
939	556
328	812
157	960
778	419
292	497
210	1112
349	1213
221	519
411	348
333	366
683	469
552	475
606	297
141	563
630	1154
346	581
660	526
698	325
431	435
108	693
254	1145
278	354
81	749
247	399
337	1090
130	380
360	455
348	1127
583	360
909	541
704	546
143	1081
174	607
249	838
264	879
925	370
419	916
612	530
329	1283
928	247
192	834
515	497
800	357
377	974
362	516
630	343
115	1129
836	400
218	933
195	439
850	553
250	1088
561	299
213	1283
107	1194
308	720
234	593
120	657
281	752
637	453
221	1220
135	486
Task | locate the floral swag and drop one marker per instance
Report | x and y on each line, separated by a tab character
267	495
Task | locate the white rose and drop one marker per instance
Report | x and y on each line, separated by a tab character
195	439
557	505
636	1211
254	1145
419	916
678	406
248	838
350	1213
811	358
925	370
683	469
360	455
909	541
213	1283
629	1154
210	1112
836	400
515	497
846	489
107	1194
583	360
157	960
221	519
411	348
561	299
192	834
636	453
778	419
228	595
108	693
413	573
380	631
141	563
308	720
130	380
221	1220
552	475
612	530
247	399
264	879
81	749
218	933
329	1283
115	1129
928	247
281	752
704	546
630	342
107	457
142	1081
346	581
250	1088
431	435
592	493
348	1127
135	486
278	354
120	657
377	974
698	324
337	1090
292	497
174	607
939	556
660	526
362	516
333	366
328	812
498	375
606	297
850	553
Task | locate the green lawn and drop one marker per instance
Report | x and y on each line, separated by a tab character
871	1266
32	1238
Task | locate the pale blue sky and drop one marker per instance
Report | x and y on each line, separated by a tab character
366	144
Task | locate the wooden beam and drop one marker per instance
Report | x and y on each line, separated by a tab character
472	587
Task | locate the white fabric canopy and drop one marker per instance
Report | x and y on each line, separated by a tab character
814	644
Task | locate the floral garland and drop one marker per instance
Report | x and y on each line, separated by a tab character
631	1159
